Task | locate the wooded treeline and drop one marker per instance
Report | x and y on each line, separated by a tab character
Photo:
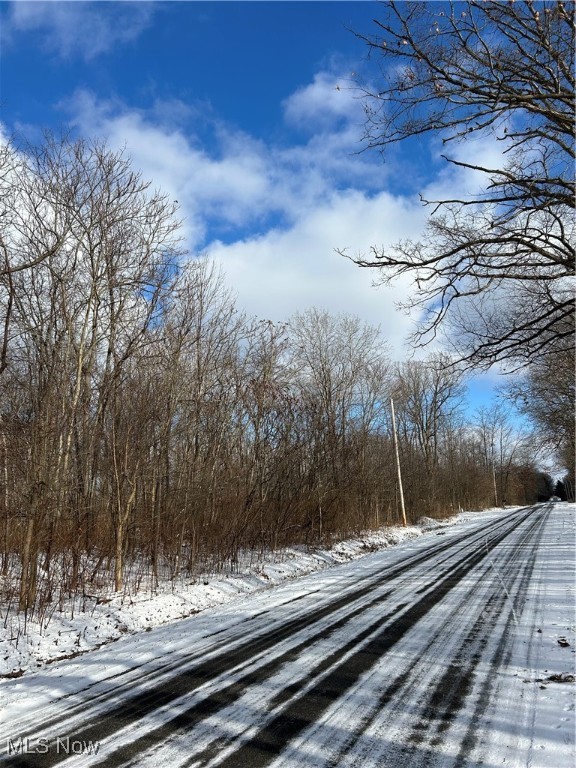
145	419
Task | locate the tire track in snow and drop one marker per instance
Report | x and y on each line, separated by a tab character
150	678
442	701
226	660
264	746
199	711
503	652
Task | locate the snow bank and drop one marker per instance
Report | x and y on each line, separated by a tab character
70	632
66	634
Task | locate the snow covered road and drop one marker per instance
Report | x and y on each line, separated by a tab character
449	650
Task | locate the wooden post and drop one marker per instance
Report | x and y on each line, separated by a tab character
403	508
494	477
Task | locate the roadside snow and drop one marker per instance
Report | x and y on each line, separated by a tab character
29	645
526	720
69	633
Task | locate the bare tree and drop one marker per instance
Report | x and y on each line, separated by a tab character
340	365
146	426
34	219
547	395
428	396
90	253
201	339
505	446
493	269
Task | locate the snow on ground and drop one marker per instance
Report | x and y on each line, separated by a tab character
529	720
69	633
542	669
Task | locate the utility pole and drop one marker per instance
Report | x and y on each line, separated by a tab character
398	464
494	477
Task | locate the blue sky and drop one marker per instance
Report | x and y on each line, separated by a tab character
247	114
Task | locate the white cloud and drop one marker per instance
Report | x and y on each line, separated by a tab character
305	201
289	270
320	103
232	185
240	181
452	180
78	28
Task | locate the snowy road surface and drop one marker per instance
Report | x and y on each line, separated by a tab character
449	650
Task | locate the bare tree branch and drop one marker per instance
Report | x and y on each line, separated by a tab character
503	70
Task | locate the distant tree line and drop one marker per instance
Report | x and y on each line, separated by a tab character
149	429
